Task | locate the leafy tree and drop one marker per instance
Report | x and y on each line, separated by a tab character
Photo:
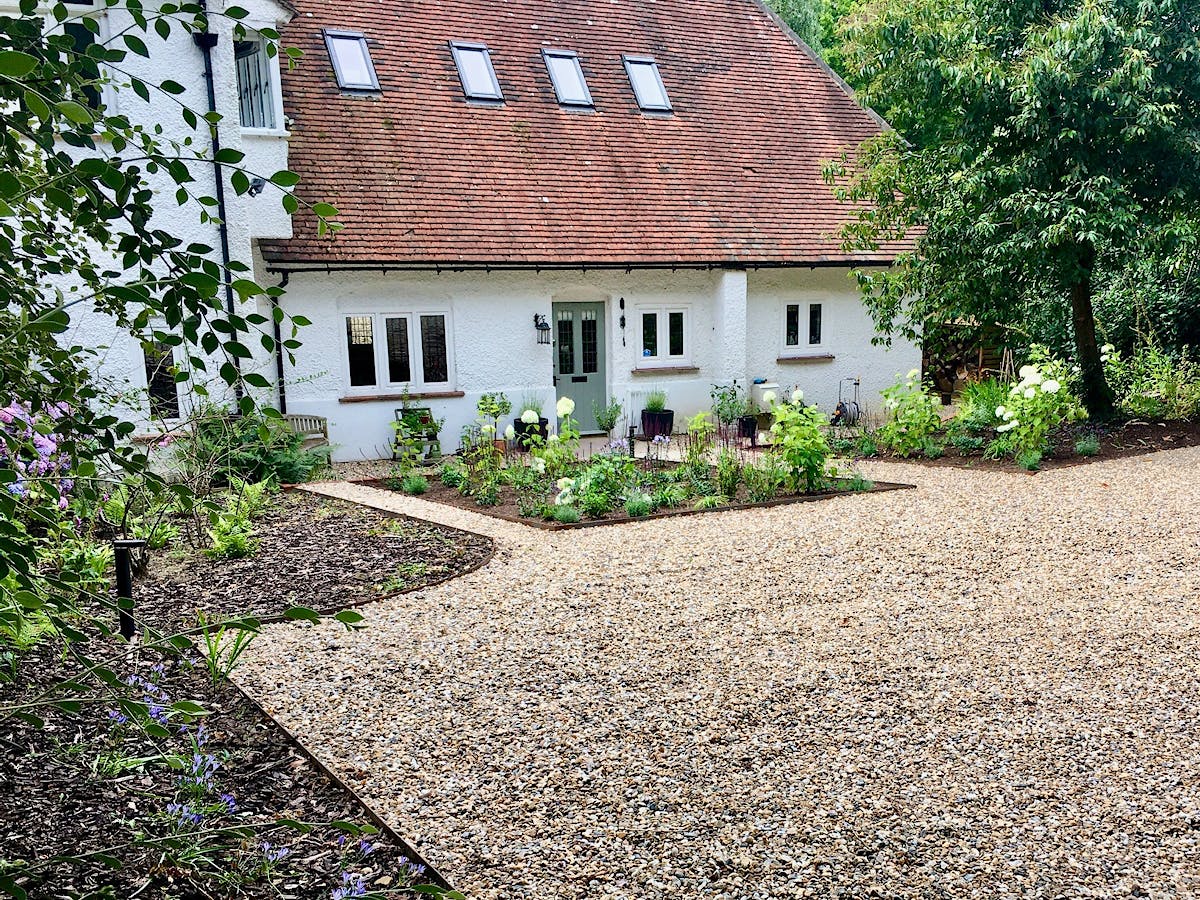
1039	145
804	18
80	186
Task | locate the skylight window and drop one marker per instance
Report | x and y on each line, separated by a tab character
647	84
567	75
351	60
475	70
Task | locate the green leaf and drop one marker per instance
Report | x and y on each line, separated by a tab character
229	156
74	112
301	614
349	617
294	825
15	64
285	179
325	210
37	105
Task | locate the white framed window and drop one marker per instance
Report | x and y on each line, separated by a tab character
395	350
475	71
567	74
351	58
259	97
647	84
803	328
664	336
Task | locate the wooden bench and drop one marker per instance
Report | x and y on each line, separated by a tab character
314	429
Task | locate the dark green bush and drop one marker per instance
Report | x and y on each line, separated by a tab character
222	447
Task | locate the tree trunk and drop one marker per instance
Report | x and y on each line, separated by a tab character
1097	395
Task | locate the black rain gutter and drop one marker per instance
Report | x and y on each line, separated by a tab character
206	41
279	376
385	267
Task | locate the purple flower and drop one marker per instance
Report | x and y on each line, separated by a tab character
117	718
273	854
365	847
352	886
230	802
185	814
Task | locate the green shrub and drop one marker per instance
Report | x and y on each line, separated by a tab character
1088	445
607	414
799	441
566	515
712	501
595	504
999	448
843	446
1040	402
255	448
867	445
965	444
452	475
1030	460
977	405
933	449
637	506
729	473
232	535
414	485
1153	384
912	416
765	478
859	483
488	492
656	401
252	499
669	495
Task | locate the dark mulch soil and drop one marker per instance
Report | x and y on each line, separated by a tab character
61	791
313	551
507	507
1117	441
57	798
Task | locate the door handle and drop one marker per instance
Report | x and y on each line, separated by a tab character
579	379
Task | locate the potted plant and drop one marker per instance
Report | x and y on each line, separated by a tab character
748	420
657	420
731	405
531	426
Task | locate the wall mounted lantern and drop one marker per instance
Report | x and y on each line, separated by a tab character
543	328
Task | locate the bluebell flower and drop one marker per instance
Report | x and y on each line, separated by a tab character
352	886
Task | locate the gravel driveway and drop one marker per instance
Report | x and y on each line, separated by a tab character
987	687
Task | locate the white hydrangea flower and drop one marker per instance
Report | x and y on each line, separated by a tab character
566	406
1035	379
769	398
1030	393
1000	412
912	375
510	433
1008	414
538	465
1050	386
487	428
797	396
565	484
1108	348
553	439
1008	426
1026	371
529	417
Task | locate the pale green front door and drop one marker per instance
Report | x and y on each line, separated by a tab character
579	359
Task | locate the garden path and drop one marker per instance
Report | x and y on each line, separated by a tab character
982	687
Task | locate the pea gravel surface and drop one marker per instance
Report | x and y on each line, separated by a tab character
986	687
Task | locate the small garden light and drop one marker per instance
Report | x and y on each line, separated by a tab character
543	328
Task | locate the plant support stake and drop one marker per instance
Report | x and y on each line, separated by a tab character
124	561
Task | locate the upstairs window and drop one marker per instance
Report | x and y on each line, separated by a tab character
351	60
567	75
256	84
476	72
647	84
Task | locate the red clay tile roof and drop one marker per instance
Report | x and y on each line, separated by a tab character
420	175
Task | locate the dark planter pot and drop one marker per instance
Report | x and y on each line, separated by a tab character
526	431
748	426
657	423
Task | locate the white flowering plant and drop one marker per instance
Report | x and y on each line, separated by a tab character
1151	383
799	440
912	415
1042	400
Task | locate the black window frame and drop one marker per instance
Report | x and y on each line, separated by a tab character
474	47
162	390
587	102
330	35
630	61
